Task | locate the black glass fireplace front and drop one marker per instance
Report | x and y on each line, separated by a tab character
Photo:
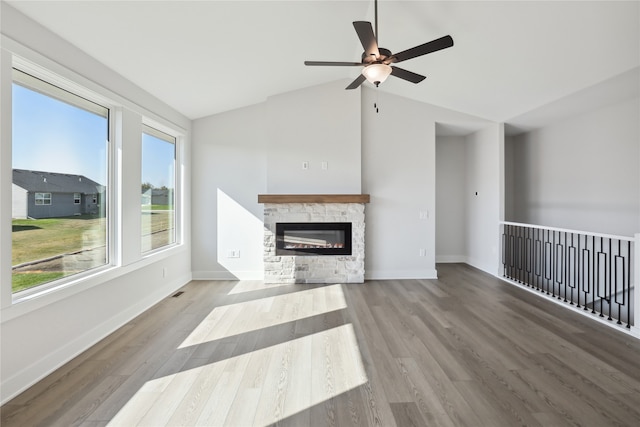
313	238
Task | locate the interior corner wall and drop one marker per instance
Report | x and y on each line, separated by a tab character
451	184
229	171
582	173
398	170
484	198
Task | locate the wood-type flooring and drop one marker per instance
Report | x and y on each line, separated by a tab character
465	350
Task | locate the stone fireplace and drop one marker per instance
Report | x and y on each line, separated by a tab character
314	238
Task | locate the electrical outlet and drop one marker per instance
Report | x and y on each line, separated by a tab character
423	252
305	165
324	166
424	214
233	253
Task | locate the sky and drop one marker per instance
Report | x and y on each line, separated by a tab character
53	136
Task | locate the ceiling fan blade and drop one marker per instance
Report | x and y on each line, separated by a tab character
357	82
367	38
407	75
423	49
341	64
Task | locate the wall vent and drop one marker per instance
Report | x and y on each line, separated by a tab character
177	294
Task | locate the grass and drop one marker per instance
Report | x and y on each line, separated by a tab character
22	281
157	207
38	239
34	239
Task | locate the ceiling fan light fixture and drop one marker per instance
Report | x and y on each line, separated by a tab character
376	73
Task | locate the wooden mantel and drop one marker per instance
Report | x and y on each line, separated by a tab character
313	198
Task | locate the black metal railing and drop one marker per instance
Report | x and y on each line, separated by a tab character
586	270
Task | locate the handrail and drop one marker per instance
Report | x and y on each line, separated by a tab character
568	230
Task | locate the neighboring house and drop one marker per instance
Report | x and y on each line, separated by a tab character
157	196
37	194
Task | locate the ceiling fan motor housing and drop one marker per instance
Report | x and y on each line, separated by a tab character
382	58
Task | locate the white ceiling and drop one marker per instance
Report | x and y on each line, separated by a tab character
206	57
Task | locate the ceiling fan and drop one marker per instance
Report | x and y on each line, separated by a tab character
376	60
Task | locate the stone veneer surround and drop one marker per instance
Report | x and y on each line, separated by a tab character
314	268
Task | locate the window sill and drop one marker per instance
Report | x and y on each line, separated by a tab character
27	303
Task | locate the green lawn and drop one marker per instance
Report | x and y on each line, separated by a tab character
39	239
157	207
34	239
22	281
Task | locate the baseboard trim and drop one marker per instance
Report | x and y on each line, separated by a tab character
227	275
450	259
400	274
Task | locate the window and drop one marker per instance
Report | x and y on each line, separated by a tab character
60	146
43	198
158	189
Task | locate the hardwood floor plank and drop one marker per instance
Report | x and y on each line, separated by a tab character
424	396
466	349
407	414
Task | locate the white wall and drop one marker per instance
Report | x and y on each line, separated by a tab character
18	202
484	197
230	170
40	334
451	181
398	171
316	124
581	173
260	150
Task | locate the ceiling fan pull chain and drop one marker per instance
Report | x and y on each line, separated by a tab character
375	104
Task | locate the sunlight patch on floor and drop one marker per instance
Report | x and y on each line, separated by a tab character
255	285
256	388
243	317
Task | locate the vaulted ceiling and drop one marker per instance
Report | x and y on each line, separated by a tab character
206	57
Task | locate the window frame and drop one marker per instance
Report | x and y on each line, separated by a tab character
161	131
77	198
43	78
43	198
125	118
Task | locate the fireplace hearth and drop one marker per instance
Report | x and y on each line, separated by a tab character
313	238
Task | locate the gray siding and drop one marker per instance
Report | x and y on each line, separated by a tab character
62	204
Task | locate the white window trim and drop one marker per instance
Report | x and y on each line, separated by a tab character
43	197
64	84
16	55
149	126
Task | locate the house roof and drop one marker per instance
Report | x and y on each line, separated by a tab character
206	57
53	182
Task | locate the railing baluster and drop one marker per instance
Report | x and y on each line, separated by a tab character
589	269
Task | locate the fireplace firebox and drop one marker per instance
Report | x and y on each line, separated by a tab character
313	238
